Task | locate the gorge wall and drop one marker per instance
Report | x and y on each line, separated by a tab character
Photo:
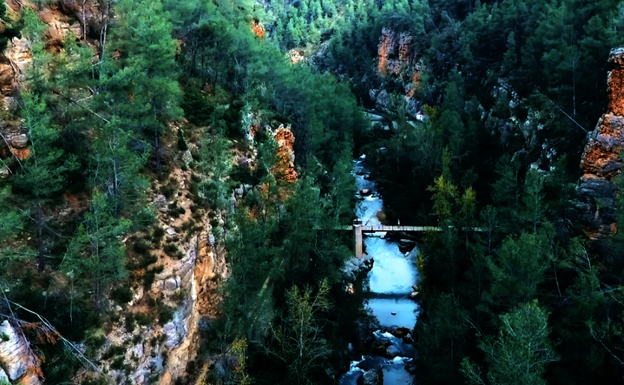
602	164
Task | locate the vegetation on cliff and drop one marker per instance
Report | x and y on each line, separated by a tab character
139	134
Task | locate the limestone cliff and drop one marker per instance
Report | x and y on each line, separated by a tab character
158	351
285	168
17	361
601	162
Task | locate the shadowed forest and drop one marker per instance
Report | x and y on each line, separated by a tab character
171	172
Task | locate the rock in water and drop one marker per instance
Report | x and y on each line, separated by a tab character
366	192
379	349
392	351
371	377
401	332
406	244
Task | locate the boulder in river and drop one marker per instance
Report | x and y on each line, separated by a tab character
392	351
401	332
366	192
406	245
372	377
379	349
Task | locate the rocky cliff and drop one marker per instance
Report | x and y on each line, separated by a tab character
602	163
18	363
159	349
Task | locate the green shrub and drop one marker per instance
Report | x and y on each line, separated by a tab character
169	190
141	246
242	174
152	258
96	342
143	319
129	323
170	248
188	225
122	295
158	232
182	145
113	316
143	219
197	108
150	275
113	351
118	363
175	211
179	295
142	263
165	315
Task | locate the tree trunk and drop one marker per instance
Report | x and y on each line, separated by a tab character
40	244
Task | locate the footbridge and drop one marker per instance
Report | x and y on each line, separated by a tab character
359	229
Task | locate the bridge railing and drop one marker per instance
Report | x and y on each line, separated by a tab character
383	228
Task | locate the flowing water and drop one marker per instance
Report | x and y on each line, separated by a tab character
388	286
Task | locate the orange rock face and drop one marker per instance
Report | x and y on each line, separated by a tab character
386	45
615	88
258	29
414	86
602	154
616	98
295	55
21	153
285	167
393	52
602	163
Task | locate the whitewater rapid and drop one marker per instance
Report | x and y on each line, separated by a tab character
387	288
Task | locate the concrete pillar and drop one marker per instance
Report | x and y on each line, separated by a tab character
357	235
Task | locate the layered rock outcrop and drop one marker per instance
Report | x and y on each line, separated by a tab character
17	361
602	163
285	167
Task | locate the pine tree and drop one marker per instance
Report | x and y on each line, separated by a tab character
11	220
142	82
520	352
214	166
300	343
115	168
95	255
42	175
518	268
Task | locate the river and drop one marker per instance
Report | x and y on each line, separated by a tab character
387	288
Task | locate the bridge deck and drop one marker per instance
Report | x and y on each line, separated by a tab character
382	228
374	229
